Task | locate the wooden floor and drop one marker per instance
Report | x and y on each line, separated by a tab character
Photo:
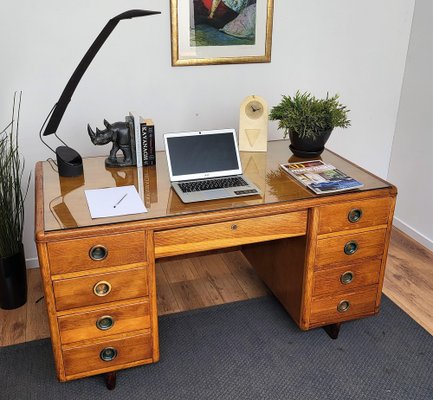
409	278
195	282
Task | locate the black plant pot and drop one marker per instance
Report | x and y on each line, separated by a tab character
307	147
13	281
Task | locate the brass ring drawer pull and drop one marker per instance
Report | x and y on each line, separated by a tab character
234	227
108	354
351	247
98	252
102	288
343	306
105	323
354	215
347	277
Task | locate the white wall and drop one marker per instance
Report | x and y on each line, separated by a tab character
411	167
355	48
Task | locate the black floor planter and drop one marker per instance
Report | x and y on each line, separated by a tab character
307	147
13	281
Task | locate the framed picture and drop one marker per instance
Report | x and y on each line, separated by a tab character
207	32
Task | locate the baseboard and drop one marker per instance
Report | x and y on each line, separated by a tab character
413	233
32	263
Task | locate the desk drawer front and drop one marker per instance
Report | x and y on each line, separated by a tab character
346	278
227	234
116	353
100	288
102	251
104	322
341	307
350	247
354	215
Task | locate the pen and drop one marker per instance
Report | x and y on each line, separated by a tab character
120	200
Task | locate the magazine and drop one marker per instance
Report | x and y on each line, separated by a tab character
320	177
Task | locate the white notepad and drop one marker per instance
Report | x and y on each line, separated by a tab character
113	202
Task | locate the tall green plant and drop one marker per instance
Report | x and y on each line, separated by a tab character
309	117
12	193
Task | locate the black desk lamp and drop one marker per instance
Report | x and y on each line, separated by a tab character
69	162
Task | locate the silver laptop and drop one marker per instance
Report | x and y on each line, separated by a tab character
205	165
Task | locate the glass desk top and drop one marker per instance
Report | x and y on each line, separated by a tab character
65	205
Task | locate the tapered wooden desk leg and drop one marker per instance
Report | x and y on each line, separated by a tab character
333	330
110	380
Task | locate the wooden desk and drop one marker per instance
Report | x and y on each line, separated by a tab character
99	275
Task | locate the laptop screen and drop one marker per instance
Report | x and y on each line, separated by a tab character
195	155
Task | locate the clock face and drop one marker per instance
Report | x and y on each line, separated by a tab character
254	109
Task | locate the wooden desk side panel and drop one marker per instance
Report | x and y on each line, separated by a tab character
150	249
44	268
385	253
280	265
310	258
50	302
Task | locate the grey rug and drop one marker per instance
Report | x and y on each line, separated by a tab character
249	350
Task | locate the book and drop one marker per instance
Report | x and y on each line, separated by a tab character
140	184
319	177
136	129
144	138
147	129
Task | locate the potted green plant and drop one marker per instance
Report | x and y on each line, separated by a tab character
309	121
13	279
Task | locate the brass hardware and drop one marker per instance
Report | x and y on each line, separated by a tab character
105	323
102	288
347	277
234	227
343	306
354	215
98	252
351	247
108	354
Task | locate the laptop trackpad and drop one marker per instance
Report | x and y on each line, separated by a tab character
215	194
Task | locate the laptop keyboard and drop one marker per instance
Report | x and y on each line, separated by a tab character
209	184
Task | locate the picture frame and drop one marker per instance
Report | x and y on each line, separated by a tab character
209	32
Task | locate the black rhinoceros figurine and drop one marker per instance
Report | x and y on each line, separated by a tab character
118	133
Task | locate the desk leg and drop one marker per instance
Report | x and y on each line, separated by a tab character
333	330
110	380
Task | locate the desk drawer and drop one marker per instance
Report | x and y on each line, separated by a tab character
100	288
124	350
350	247
341	307
354	215
94	252
227	234
104	322
346	278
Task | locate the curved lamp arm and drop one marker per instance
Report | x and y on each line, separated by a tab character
68	160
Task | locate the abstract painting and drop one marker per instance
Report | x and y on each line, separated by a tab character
221	31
